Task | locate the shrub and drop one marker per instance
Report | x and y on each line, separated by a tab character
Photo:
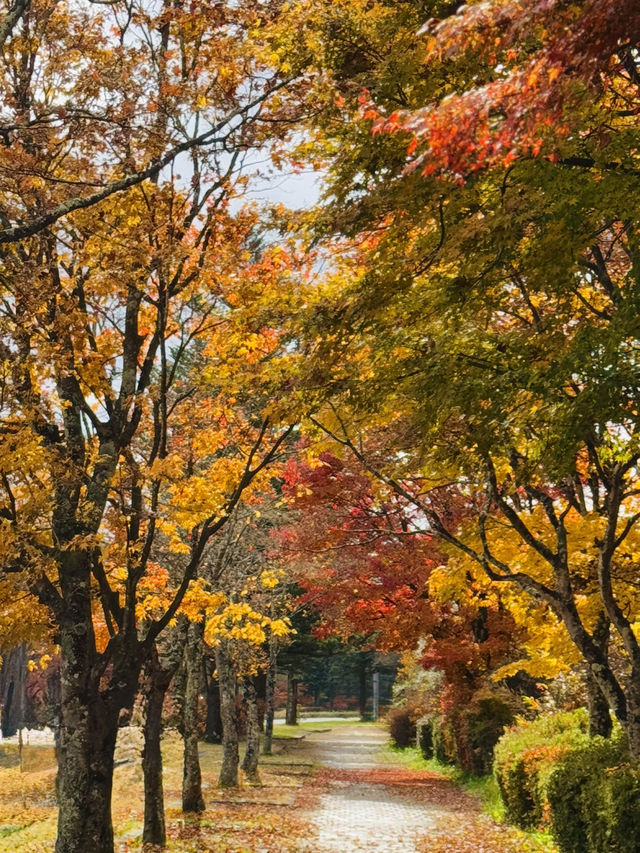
444	742
525	758
402	726
424	736
594	797
479	729
618	825
435	739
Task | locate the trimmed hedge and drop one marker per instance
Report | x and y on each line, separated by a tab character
435	739
402	726
444	743
527	755
594	796
479	730
550	772
466	738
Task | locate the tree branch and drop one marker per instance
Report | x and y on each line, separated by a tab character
27	229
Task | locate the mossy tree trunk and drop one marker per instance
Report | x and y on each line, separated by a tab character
252	751
85	781
600	722
89	715
227	681
192	799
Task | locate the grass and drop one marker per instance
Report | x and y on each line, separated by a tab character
348	716
284	731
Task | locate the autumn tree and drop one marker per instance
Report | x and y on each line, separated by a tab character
367	568
88	505
250	615
101	97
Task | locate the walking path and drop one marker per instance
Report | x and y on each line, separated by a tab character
371	803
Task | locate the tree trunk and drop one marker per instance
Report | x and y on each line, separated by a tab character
155	686
269	699
227	681
260	683
12	687
292	700
599	716
600	722
362	694
177	690
632	723
192	799
213	726
88	717
625	701
252	752
595	652
85	783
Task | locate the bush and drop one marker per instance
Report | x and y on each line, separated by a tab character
444	742
402	726
435	739
618	825
479	729
594	797
527	755
424	737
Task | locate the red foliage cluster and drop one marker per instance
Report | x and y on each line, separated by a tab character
529	68
363	565
356	558
579	38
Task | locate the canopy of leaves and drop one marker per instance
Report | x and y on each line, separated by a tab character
481	310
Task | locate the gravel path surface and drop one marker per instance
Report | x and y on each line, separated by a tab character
357	814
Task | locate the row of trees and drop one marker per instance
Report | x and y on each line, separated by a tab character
477	336
125	447
456	323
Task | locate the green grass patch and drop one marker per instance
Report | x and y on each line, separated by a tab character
335	715
304	727
9	830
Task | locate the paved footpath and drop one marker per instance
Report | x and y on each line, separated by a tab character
370	805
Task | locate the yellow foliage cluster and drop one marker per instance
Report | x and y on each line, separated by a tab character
548	649
269	579
238	621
